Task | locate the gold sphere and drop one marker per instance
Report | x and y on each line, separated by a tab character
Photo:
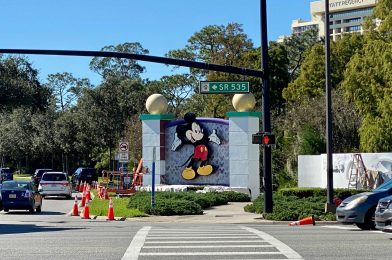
244	102
156	104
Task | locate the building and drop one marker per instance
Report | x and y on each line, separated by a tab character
346	16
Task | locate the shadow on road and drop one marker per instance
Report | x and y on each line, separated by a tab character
43	213
28	228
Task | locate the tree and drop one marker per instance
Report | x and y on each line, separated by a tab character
176	88
66	88
116	67
19	85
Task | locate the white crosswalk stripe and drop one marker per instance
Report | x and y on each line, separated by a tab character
240	242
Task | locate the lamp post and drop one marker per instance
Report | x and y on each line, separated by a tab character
329	206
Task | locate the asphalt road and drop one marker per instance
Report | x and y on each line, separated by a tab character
53	235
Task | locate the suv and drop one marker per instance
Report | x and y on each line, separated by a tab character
6	174
84	175
55	184
36	178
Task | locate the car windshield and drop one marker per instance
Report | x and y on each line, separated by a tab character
385	186
13	185
39	173
53	177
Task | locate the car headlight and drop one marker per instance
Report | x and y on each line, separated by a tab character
356	202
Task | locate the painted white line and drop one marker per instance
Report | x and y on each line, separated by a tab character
193	230
283	248
200	232
207	246
136	245
209	253
207	242
198	235
342	227
195	238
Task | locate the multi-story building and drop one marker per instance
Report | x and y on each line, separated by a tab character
345	16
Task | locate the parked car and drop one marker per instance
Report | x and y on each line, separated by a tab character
38	175
360	209
84	175
383	215
20	195
55	184
6	174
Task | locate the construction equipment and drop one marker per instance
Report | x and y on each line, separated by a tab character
358	173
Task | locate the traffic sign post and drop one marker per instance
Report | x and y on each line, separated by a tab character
223	87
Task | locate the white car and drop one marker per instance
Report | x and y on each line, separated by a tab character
55	184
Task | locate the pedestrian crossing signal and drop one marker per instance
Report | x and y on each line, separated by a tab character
263	138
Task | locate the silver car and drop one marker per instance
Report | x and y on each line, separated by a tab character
383	215
55	184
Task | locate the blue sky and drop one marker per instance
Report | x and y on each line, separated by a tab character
159	25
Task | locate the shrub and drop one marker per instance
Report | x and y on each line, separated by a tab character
234	196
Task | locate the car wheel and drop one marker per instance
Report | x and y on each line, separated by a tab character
38	209
68	197
5	210
32	208
369	223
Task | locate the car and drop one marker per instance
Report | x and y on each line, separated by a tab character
6	174
38	175
383	214
83	174
55	184
20	195
360	209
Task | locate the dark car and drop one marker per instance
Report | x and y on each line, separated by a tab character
383	215
6	174
360	209
84	175
38	175
20	195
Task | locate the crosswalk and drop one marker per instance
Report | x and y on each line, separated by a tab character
234	242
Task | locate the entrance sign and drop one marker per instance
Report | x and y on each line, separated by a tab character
223	87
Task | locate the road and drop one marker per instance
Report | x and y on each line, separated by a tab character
53	235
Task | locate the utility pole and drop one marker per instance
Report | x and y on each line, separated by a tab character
329	206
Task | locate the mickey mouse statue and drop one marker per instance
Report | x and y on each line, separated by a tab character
193	133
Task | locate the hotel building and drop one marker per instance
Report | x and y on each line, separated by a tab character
346	16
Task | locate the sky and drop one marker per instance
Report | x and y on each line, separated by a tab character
159	25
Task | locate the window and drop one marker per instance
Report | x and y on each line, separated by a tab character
53	177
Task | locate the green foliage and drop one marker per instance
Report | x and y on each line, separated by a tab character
182	203
296	203
311	141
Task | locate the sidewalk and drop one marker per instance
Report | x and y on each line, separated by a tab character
232	213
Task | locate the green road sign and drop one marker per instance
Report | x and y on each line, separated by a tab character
222	87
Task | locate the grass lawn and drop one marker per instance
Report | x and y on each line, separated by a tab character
22	177
99	207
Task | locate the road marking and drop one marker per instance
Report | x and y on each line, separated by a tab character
195	238
212	253
283	248
207	242
207	246
342	227
136	245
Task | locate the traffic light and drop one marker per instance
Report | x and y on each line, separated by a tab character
263	138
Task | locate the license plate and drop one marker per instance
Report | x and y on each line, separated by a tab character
53	185
12	196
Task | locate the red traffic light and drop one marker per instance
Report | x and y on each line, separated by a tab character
268	139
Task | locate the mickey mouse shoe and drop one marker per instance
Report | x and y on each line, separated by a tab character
188	173
205	170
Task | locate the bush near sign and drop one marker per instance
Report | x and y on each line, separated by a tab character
216	87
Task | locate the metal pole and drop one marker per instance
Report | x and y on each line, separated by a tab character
268	203
153	178
328	108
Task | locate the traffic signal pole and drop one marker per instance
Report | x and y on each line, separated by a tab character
267	161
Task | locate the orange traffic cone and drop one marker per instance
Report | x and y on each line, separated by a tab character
88	195
86	212
110	211
75	210
77	186
84	187
80	186
304	221
83	200
106	196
